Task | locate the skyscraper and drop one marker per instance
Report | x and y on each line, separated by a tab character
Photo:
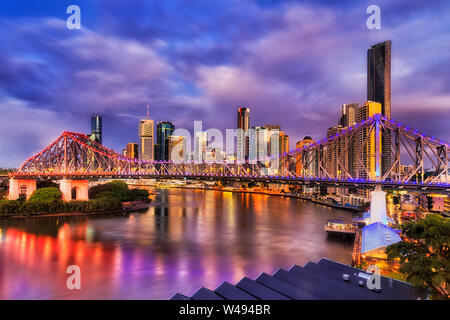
146	144
177	148
96	129
164	130
379	76
310	169
366	142
379	90
348	114
348	119
243	124
200	144
132	150
259	140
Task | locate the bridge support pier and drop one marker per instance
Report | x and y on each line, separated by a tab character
18	187
74	189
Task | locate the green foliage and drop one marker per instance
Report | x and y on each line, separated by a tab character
14	207
46	194
139	194
119	190
9	207
424	258
46	184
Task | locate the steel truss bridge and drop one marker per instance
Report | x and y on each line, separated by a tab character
377	151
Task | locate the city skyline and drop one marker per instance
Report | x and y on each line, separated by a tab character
301	99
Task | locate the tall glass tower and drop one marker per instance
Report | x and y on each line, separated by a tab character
96	129
379	76
164	130
379	90
243	124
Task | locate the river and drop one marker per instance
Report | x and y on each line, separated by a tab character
187	239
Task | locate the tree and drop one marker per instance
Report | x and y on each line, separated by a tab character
46	184
424	256
119	190
46	194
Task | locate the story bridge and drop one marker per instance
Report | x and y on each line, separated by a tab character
377	151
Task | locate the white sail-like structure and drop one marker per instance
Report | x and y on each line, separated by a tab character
378	206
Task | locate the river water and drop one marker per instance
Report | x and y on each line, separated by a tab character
186	239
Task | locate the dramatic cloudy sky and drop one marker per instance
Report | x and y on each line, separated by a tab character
292	62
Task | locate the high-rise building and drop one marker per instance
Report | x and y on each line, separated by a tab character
164	130
334	153
243	142
283	143
379	90
96	129
132	150
310	169
177	148
279	142
348	119
200	144
146	143
366	142
379	76
259	140
348	114
335	157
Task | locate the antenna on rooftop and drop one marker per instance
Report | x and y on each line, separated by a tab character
148	112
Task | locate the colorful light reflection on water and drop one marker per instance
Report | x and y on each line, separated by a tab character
187	239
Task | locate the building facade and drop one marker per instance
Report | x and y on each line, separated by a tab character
243	142
366	142
177	148
200	144
132	150
379	90
146	140
96	129
164	130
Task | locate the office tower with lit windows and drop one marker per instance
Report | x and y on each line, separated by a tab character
132	150
335	157
348	119
348	114
283	142
259	140
366	142
310	168
200	144
379	90
379	76
243	143
164	130
96	129
146	138
177	148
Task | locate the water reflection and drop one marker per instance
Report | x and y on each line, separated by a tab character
187	239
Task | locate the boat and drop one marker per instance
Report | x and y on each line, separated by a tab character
339	226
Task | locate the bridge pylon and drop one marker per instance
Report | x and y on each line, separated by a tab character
18	187
74	189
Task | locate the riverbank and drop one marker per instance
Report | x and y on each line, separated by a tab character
127	208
